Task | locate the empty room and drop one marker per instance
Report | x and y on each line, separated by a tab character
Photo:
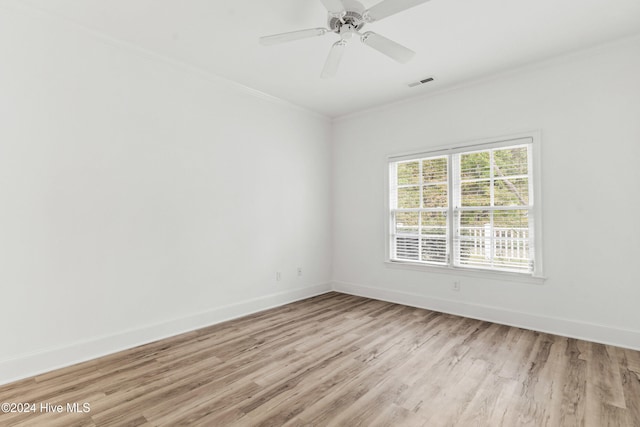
320	213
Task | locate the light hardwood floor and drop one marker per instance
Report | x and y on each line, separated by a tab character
347	361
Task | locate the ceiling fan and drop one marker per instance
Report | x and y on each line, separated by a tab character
346	18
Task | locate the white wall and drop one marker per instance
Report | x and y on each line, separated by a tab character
140	198
587	107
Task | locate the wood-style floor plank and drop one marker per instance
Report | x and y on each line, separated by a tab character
341	360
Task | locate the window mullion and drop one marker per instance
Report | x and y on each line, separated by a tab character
492	196
421	189
492	240
452	200
492	203
393	204
531	217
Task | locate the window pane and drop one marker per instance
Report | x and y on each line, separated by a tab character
511	239
510	161
407	222
504	246
407	248
473	223
434	249
434	233
434	170
474	252
512	255
475	165
475	193
474	238
435	196
434	223
408	197
408	173
511	192
515	219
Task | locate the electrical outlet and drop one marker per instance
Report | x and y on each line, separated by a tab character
278	276
299	271
456	285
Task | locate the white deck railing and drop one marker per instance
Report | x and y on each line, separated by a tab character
475	242
510	243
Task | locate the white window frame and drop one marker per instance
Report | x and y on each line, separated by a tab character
533	138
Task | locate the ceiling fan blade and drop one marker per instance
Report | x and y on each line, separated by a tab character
390	7
333	60
293	35
335	7
388	47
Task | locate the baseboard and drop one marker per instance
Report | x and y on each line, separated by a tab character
29	365
552	325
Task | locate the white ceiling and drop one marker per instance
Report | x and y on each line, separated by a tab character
455	41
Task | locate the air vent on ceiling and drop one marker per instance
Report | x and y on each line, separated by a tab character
421	82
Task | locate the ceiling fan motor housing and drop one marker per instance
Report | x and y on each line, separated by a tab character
354	16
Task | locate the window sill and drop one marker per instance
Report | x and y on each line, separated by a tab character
469	272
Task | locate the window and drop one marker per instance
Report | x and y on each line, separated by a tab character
469	207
